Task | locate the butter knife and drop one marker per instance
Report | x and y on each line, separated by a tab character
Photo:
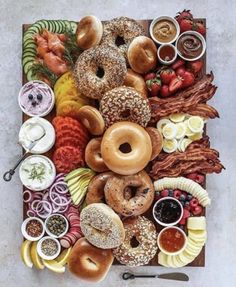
177	276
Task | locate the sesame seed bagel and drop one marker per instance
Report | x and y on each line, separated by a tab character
101	226
124	104
99	70
123	27
138	203
145	233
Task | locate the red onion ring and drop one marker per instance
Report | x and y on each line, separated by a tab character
30	197
30	213
38	210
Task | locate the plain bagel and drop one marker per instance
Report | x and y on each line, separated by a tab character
89	32
137	82
142	54
89	262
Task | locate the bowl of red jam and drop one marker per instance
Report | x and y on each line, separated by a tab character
172	240
167	54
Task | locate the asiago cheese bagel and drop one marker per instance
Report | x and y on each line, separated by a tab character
137	82
89	32
142	54
101	226
139	202
126	148
92	120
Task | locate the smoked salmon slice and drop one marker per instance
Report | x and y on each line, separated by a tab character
55	63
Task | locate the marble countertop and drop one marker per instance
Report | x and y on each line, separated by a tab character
221	58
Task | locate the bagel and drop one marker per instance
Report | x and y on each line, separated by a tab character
92	120
137	82
119	32
89	32
93	156
89	262
156	139
99	70
145	233
139	202
135	139
124	104
101	226
142	55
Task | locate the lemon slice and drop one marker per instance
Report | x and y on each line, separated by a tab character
177	118
170	146
169	131
183	144
196	136
195	124
188	132
25	253
36	259
54	266
161	123
63	257
181	129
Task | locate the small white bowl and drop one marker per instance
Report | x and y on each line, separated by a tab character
171	19
41	254
49	232
49	108
172	223
171	253
25	234
202	39
163	61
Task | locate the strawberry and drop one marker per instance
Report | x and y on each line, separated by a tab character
200	28
178	63
154	86
184	14
182	221
188	79
165	91
167	75
149	76
186	25
180	71
175	84
195	66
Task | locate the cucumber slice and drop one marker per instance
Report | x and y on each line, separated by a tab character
63	26
28	66
59	26
67	25
34	29
28	35
31	45
30	76
73	26
46	24
52	22
30	50
27	60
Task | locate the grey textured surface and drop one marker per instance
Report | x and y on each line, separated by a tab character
221	58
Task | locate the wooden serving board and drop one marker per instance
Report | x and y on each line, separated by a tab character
200	260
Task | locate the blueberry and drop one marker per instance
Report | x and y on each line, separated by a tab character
34	103
30	97
39	97
182	202
186	203
171	192
189	197
157	193
182	197
181	227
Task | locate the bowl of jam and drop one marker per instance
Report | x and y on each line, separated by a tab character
172	240
167	54
167	211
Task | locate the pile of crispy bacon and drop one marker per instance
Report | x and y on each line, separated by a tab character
191	101
198	157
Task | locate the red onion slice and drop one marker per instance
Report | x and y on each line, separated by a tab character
27	196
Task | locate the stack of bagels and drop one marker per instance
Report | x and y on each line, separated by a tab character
109	70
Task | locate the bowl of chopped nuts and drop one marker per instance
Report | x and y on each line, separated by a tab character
56	225
33	228
48	248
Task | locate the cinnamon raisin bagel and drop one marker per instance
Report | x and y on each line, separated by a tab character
141	200
99	70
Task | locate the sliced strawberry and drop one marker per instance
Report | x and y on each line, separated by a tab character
188	79
175	84
178	63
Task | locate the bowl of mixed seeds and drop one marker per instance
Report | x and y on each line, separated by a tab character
56	225
48	248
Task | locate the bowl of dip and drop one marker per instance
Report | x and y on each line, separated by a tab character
48	248
36	98
32	130
164	30
172	240
167	211
33	228
167	54
190	45
37	172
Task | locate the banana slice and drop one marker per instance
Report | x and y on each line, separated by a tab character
196	223
195	124
177	118
181	130
183	144
170	262
196	136
162	259
169	131
161	123
170	146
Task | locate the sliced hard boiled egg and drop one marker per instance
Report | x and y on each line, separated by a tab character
169	131
177	118
181	129
161	123
188	132
183	144
195	124
196	136
170	146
